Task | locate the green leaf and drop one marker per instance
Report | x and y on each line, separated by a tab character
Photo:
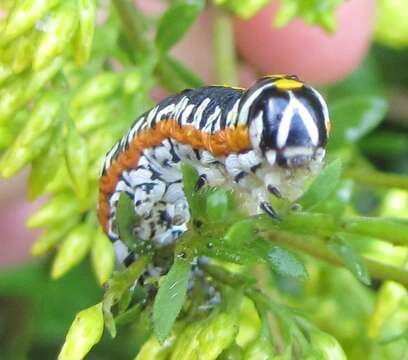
218	334
245	9
308	223
102	257
84	333
170	298
45	167
125	218
355	117
240	253
240	232
185	74
322	186
240	245
391	230
118	285
385	144
84	36
325	346
31	11
286	263
337	202
317	12
176	21
77	161
218	205
366	80
61	27
73	249
349	257
196	199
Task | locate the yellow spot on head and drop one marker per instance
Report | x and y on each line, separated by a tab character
288	84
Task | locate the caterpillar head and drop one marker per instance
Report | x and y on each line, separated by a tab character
288	121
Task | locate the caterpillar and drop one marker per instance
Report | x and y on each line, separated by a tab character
265	140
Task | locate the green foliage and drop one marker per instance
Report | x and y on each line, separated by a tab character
313	12
175	22
354	118
322	187
350	258
392	25
85	332
317	12
285	263
245	9
69	89
170	298
117	287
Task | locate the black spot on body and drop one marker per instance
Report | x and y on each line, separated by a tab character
174	156
240	176
197	154
165	218
129	259
156	175
256	167
146	187
201	181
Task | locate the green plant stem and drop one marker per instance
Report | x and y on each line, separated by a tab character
129	316
173	75
237	280
169	77
316	247
226	277
377	178
224	48
131	23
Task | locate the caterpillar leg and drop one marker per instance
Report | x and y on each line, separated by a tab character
250	172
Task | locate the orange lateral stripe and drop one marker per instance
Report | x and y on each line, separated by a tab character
221	143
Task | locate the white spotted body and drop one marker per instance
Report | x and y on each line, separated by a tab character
275	133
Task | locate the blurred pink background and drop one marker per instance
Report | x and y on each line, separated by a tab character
15	238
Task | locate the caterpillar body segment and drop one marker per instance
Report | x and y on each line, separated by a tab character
264	140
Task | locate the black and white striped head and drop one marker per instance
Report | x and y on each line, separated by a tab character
288	120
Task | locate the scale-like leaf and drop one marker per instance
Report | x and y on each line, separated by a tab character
170	298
